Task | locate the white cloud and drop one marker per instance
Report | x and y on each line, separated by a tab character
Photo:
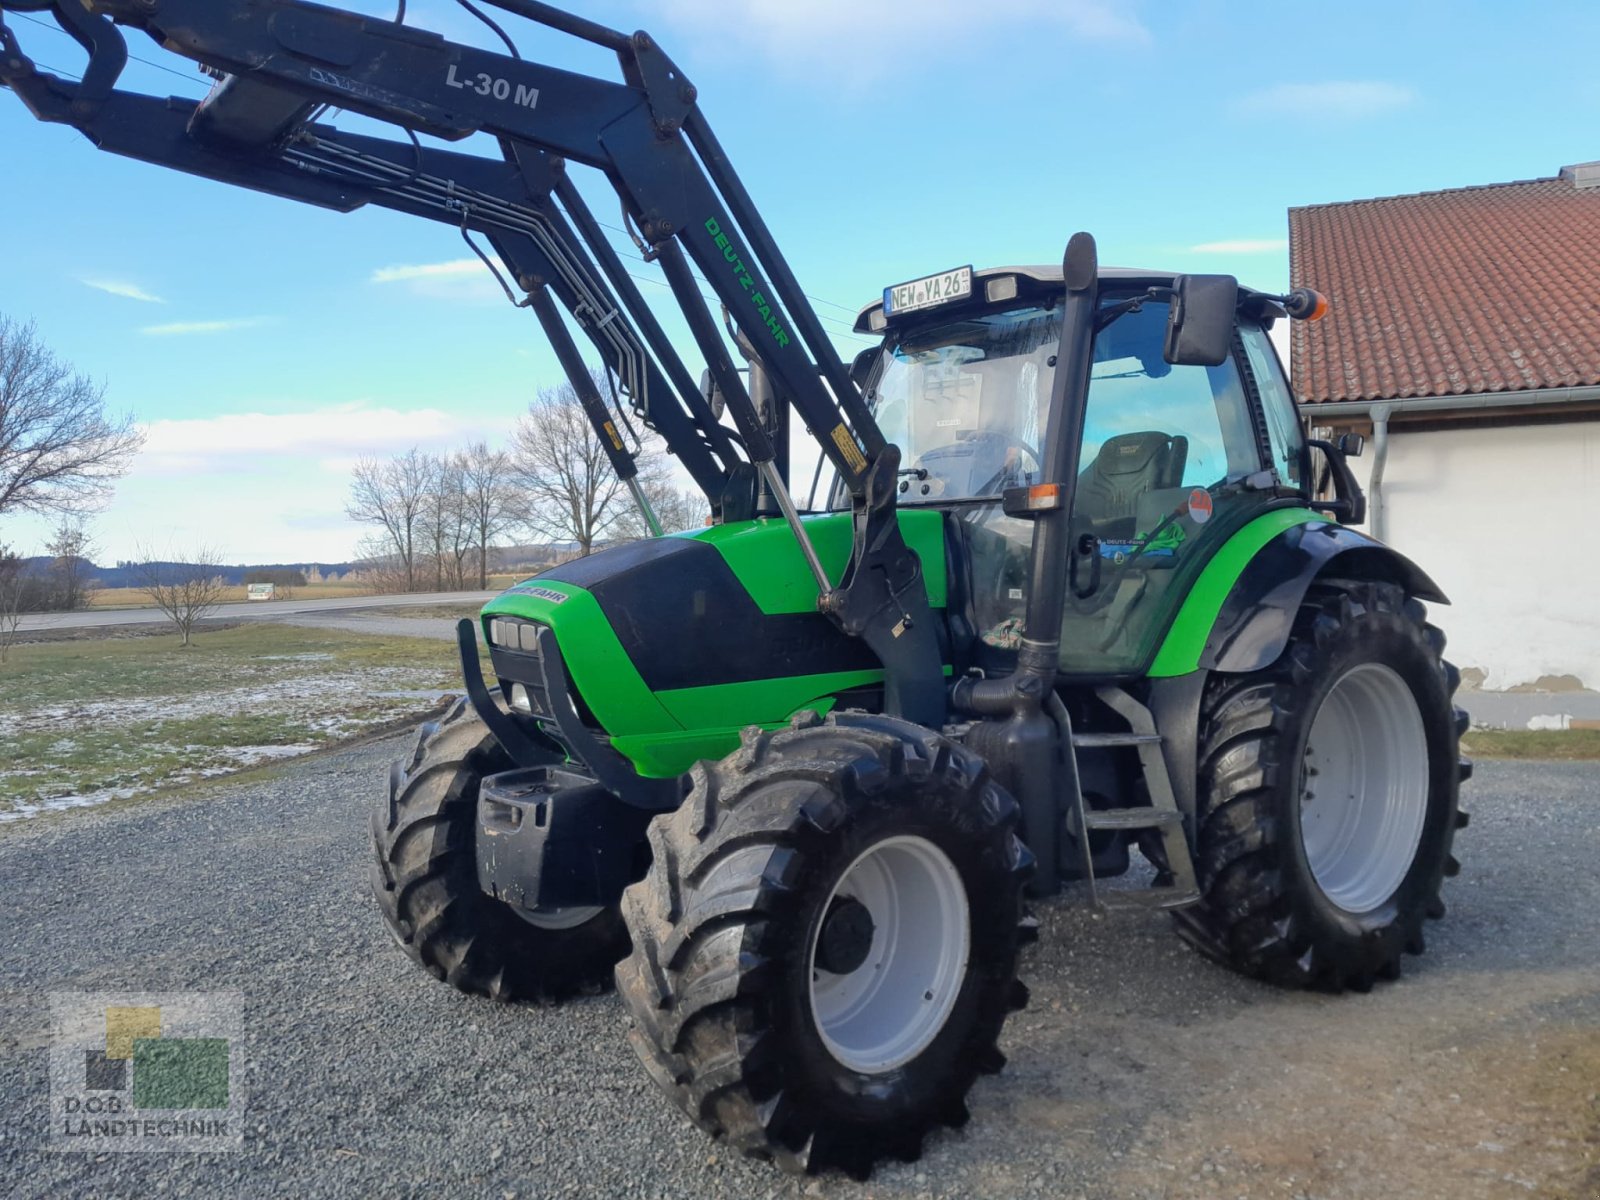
1242	246
189	328
460	279
1332	100
858	43
265	487
333	438
128	291
455	269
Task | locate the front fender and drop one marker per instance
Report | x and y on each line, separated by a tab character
1256	619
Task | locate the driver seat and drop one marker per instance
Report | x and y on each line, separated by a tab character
1128	466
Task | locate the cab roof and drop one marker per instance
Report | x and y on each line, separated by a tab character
1044	278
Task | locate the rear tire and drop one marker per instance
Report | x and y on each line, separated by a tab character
788	1019
425	878
1328	795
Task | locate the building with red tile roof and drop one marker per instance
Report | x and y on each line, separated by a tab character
1471	291
1463	338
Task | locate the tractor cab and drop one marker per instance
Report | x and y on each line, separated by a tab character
1175	457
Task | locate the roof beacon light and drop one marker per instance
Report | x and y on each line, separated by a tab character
1303	304
1003	288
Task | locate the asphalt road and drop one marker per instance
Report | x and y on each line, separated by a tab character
96	618
1139	1070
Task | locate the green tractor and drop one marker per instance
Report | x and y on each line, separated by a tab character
1080	586
816	899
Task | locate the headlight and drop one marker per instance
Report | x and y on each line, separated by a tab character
1003	288
510	634
520	700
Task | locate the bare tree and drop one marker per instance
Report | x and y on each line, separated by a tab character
677	509
69	550
391	495
187	592
573	494
493	502
446	529
11	606
59	450
379	572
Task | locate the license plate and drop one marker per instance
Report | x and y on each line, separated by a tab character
925	293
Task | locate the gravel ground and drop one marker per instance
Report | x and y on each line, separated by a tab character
1139	1070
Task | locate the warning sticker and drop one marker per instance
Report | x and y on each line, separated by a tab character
848	448
1200	506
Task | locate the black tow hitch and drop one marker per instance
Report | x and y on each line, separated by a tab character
549	837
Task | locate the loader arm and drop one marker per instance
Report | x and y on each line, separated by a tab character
281	60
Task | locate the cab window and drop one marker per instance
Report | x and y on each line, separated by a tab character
1277	401
965	401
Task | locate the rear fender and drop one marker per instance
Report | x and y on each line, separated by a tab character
1257	617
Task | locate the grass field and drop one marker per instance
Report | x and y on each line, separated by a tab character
85	722
1565	745
134	598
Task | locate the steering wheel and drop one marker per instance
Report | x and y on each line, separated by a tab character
1012	442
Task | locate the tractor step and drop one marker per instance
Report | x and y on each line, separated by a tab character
1132	818
1162	814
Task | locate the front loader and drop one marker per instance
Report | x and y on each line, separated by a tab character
1080	587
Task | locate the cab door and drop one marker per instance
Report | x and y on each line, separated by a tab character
1173	463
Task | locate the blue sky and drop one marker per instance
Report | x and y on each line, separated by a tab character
267	345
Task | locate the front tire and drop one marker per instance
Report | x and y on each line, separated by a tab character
825	946
425	879
1328	795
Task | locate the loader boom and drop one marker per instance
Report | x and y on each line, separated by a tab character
282	61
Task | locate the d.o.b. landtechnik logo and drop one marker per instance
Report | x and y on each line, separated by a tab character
152	1072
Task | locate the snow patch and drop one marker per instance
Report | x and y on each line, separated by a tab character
1557	721
317	707
21	809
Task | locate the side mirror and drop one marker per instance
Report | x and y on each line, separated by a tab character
861	366
1201	319
1351	444
1350	508
713	394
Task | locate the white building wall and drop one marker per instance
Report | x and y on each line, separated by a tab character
1507	521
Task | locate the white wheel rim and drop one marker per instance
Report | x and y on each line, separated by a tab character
889	1009
558	918
1364	790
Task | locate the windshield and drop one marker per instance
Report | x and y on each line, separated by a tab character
966	402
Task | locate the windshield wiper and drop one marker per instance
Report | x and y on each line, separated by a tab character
1132	304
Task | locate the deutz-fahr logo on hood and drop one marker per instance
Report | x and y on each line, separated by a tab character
543	593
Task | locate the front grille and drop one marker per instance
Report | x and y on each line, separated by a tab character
514	649
517	654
